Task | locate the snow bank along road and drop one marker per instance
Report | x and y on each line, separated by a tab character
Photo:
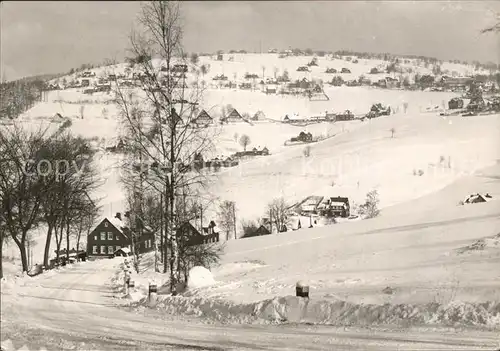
75	309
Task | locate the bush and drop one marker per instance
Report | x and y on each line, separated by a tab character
67	123
370	208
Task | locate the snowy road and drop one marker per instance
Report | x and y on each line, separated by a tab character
74	309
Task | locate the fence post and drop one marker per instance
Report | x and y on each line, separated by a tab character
301	290
131	284
152	294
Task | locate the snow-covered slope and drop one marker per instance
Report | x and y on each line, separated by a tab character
360	157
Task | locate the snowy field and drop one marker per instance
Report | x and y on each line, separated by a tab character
424	264
357	156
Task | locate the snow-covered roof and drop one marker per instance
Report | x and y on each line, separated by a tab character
115	222
124	249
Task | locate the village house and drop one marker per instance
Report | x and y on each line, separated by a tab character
339	206
259	116
203	118
347	115
192	236
111	235
456	84
264	229
233	116
476	198
271	90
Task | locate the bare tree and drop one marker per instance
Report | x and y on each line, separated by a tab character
165	138
370	208
278	211
67	187
245	141
21	187
226	216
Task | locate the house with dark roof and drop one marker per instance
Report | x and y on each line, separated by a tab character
476	198
111	234
234	116
262	230
203	118
191	235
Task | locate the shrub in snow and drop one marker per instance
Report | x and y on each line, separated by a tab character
370	208
199	277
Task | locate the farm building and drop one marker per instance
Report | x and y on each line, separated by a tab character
192	236
259	116
233	116
203	118
476	198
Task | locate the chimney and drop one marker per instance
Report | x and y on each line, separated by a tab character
118	215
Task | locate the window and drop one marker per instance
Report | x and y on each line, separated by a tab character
110	249
103	249
106	224
103	236
117	247
110	236
117	237
95	237
94	249
150	244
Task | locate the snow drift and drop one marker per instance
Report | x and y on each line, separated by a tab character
291	309
199	277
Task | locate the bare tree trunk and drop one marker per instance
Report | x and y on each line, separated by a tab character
1	255
48	239
21	244
162	249
67	240
59	239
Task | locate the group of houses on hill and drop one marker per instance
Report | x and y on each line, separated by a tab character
230	161
325	206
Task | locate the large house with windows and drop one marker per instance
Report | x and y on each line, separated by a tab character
111	235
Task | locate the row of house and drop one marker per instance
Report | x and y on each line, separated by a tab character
112	235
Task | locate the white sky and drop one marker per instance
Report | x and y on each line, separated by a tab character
51	37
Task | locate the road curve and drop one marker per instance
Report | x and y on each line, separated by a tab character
75	310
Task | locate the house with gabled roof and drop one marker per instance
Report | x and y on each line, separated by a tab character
192	236
233	116
111	234
258	116
203	118
476	198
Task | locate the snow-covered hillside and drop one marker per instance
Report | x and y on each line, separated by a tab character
356	158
